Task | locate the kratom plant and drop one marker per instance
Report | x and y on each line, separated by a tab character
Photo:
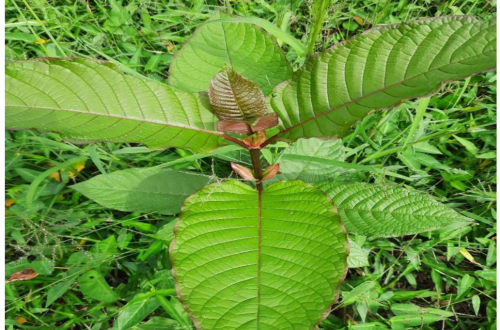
268	251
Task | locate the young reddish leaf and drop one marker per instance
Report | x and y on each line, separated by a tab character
270	172
243	172
265	122
234	126
234	97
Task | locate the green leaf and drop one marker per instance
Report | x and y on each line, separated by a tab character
314	172
358	293
489	275
362	309
376	210
476	304
27	37
379	69
464	286
159	323
102	103
357	257
406	309
233	97
369	326
143	190
401	295
166	233
247	260
107	246
403	322
422	106
153	249
487	155
43	266
409	315
243	47
93	286
134	313
272	29
467	144
58	290
345	165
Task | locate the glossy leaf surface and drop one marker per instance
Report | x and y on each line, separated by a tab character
92	101
243	47
244	262
376	210
379	69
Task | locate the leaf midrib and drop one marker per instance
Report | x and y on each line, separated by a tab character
259	250
236	99
326	112
135	191
141	120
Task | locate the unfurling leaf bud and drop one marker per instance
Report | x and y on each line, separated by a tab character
270	172
234	97
243	172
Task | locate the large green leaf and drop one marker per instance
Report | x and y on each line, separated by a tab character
91	101
143	190
244	261
376	210
243	47
379	69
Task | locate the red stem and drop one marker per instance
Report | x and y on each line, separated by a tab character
255	156
238	142
272	139
257	170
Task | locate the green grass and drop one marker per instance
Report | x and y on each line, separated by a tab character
61	234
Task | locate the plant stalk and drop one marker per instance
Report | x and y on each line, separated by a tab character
238	142
257	169
319	11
